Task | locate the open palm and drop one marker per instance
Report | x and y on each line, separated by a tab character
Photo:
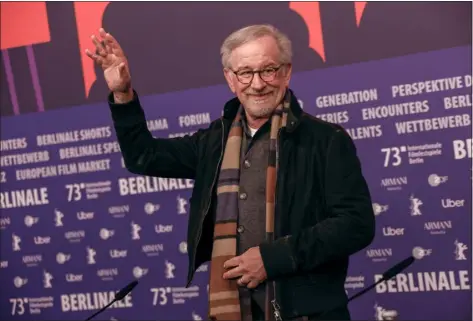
110	56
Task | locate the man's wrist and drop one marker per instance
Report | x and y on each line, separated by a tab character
123	97
277	258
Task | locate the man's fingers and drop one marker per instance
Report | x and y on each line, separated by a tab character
234	261
90	54
113	44
108	48
233	273
110	43
105	42
102	33
100	50
98	59
122	70
246	280
93	56
252	284
243	281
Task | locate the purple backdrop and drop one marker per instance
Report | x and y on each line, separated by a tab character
76	226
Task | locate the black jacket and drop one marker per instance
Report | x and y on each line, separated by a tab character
323	206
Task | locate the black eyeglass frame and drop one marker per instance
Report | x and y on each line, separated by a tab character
259	71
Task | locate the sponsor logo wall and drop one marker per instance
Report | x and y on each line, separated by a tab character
76	226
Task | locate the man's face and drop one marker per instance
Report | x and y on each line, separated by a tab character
258	96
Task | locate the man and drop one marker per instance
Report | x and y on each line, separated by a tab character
279	200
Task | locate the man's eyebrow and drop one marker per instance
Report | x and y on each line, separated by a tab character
243	67
246	67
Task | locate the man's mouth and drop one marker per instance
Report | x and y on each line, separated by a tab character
259	96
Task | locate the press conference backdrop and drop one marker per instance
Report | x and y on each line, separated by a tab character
76	225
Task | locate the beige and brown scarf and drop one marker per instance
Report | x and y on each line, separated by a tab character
224	303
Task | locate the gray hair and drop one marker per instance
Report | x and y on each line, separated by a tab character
250	33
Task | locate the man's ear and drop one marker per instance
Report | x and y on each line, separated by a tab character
229	78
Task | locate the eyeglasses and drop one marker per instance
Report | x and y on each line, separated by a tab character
266	74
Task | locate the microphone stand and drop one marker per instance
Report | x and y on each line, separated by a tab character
101	310
392	272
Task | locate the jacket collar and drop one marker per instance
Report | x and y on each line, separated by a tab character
293	117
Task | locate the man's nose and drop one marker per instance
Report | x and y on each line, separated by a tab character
257	82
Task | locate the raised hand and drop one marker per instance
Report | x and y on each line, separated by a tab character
110	56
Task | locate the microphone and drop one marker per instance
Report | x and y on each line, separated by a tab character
387	275
123	292
118	296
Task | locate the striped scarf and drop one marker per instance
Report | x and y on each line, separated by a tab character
224	302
